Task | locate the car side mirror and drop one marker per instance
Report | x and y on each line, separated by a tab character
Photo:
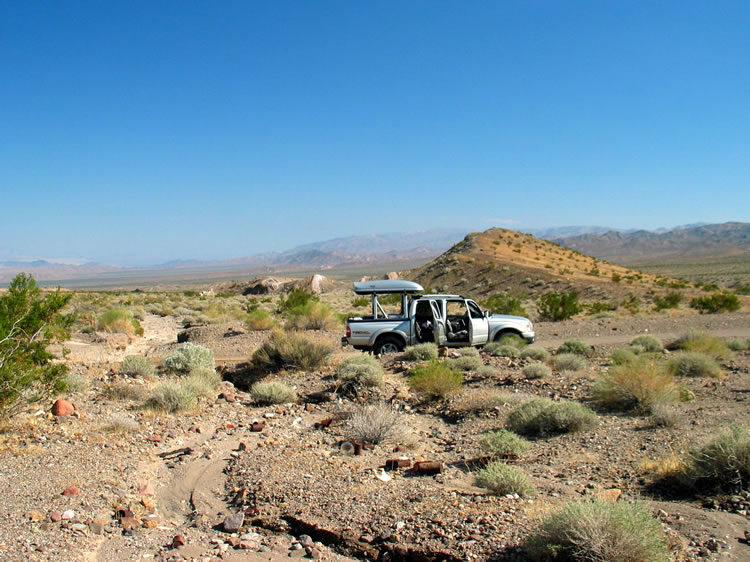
487	313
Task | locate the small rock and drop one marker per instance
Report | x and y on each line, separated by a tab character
129	523
35	516
233	523
195	429
62	408
146	490
178	541
96	528
306	541
68	514
55	516
234	541
151	523
148	503
71	491
248	545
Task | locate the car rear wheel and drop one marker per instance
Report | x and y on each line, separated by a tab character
388	344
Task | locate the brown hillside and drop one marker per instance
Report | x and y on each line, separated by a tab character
505	260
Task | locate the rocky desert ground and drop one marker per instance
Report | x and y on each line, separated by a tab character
107	479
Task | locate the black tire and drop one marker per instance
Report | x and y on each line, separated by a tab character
388	344
508	333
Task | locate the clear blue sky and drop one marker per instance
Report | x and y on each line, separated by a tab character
142	131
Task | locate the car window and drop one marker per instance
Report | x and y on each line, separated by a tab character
474	310
456	308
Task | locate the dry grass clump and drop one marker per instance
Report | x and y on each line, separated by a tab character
738	345
360	371
701	342
691	364
120	424
481	400
202	382
469	351
75	383
536	353
569	362
375	423
273	392
313	315
290	350
536	371
497	349
136	366
622	357
542	416
421	352
648	343
575	346
170	397
436	380
119	320
466	363
722	464
503	479
504	444
599	531
124	391
189	357
259	320
638	386
665	415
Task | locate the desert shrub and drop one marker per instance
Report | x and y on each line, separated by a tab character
664	415
29	322
558	306
188	358
622	356
360	302
505	303
537	353
648	343
599	307
466	363
512	339
722	464
375	423
313	316
421	352
717	302
576	346
569	362
541	416
503	479
670	300
202	382
119	320
260	319
486	371
690	364
536	371
120	423
497	349
124	391
468	351
360	371
637	385
170	397
599	531
481	400
272	392
504	444
636	349
294	299
701	342
136	366
289	350
436	380
738	345
75	384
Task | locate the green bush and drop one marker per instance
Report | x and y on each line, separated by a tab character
638	385
273	392
188	358
541	416
504	444
119	320
691	364
421	352
202	382
436	380
536	353
294	299
569	362
29	322
717	302
170	397
622	356
467	363
536	371
503	479
648	343
289	350
468	351
701	342
600	531
505	303
723	464
497	349
670	300
558	306
360	371
576	346
259	320
136	366
738	345
313	316
360	302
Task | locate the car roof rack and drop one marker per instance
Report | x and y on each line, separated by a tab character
387	286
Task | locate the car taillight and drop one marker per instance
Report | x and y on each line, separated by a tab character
348	332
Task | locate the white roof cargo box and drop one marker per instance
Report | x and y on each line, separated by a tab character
387	286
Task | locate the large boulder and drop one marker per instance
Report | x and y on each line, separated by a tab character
263	286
